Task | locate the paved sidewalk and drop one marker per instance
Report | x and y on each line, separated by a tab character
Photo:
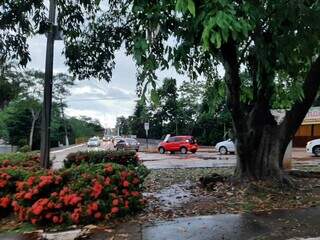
278	225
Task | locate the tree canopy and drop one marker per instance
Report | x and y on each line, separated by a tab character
267	49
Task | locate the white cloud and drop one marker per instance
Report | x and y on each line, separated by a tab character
112	99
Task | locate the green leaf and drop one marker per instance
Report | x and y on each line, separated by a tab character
155	97
205	38
181	5
191	7
218	37
225	34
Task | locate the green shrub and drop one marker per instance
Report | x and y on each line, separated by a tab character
14	156
25	148
125	158
25	160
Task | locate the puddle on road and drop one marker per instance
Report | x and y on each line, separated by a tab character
173	196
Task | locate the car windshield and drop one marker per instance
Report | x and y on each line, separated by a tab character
131	141
93	139
166	138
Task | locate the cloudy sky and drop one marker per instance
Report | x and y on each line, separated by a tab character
93	98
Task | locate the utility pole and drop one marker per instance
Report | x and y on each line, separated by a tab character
47	96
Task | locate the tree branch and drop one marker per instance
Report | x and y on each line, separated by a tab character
232	77
295	116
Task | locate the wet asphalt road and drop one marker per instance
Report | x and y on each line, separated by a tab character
201	159
156	160
281	224
278	225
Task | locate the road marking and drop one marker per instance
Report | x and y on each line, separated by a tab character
62	150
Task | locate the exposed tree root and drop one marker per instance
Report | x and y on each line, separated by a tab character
211	180
282	181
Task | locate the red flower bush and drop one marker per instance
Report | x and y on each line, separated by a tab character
82	194
86	192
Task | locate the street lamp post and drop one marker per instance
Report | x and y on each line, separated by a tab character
47	96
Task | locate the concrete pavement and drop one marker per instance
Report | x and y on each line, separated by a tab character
279	225
58	156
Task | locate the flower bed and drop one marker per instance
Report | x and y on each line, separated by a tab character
78	195
125	158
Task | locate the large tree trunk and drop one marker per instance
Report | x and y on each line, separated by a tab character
260	146
260	153
260	141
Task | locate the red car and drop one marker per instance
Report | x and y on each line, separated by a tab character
182	144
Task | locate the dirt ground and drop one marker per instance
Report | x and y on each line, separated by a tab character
173	193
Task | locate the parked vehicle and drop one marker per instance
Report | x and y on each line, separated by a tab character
313	147
225	147
116	139
181	144
93	142
127	144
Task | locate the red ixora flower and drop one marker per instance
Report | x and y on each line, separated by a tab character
96	190
124	174
92	207
107	181
3	183
33	220
6	163
75	216
28	196
125	183
97	215
39	206
55	219
135	194
71	199
5	202
136	181
115	202
31	180
109	168
45	180
114	210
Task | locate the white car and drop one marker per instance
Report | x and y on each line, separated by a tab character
225	147
93	142
313	147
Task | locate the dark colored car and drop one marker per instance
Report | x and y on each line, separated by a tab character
127	144
181	144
